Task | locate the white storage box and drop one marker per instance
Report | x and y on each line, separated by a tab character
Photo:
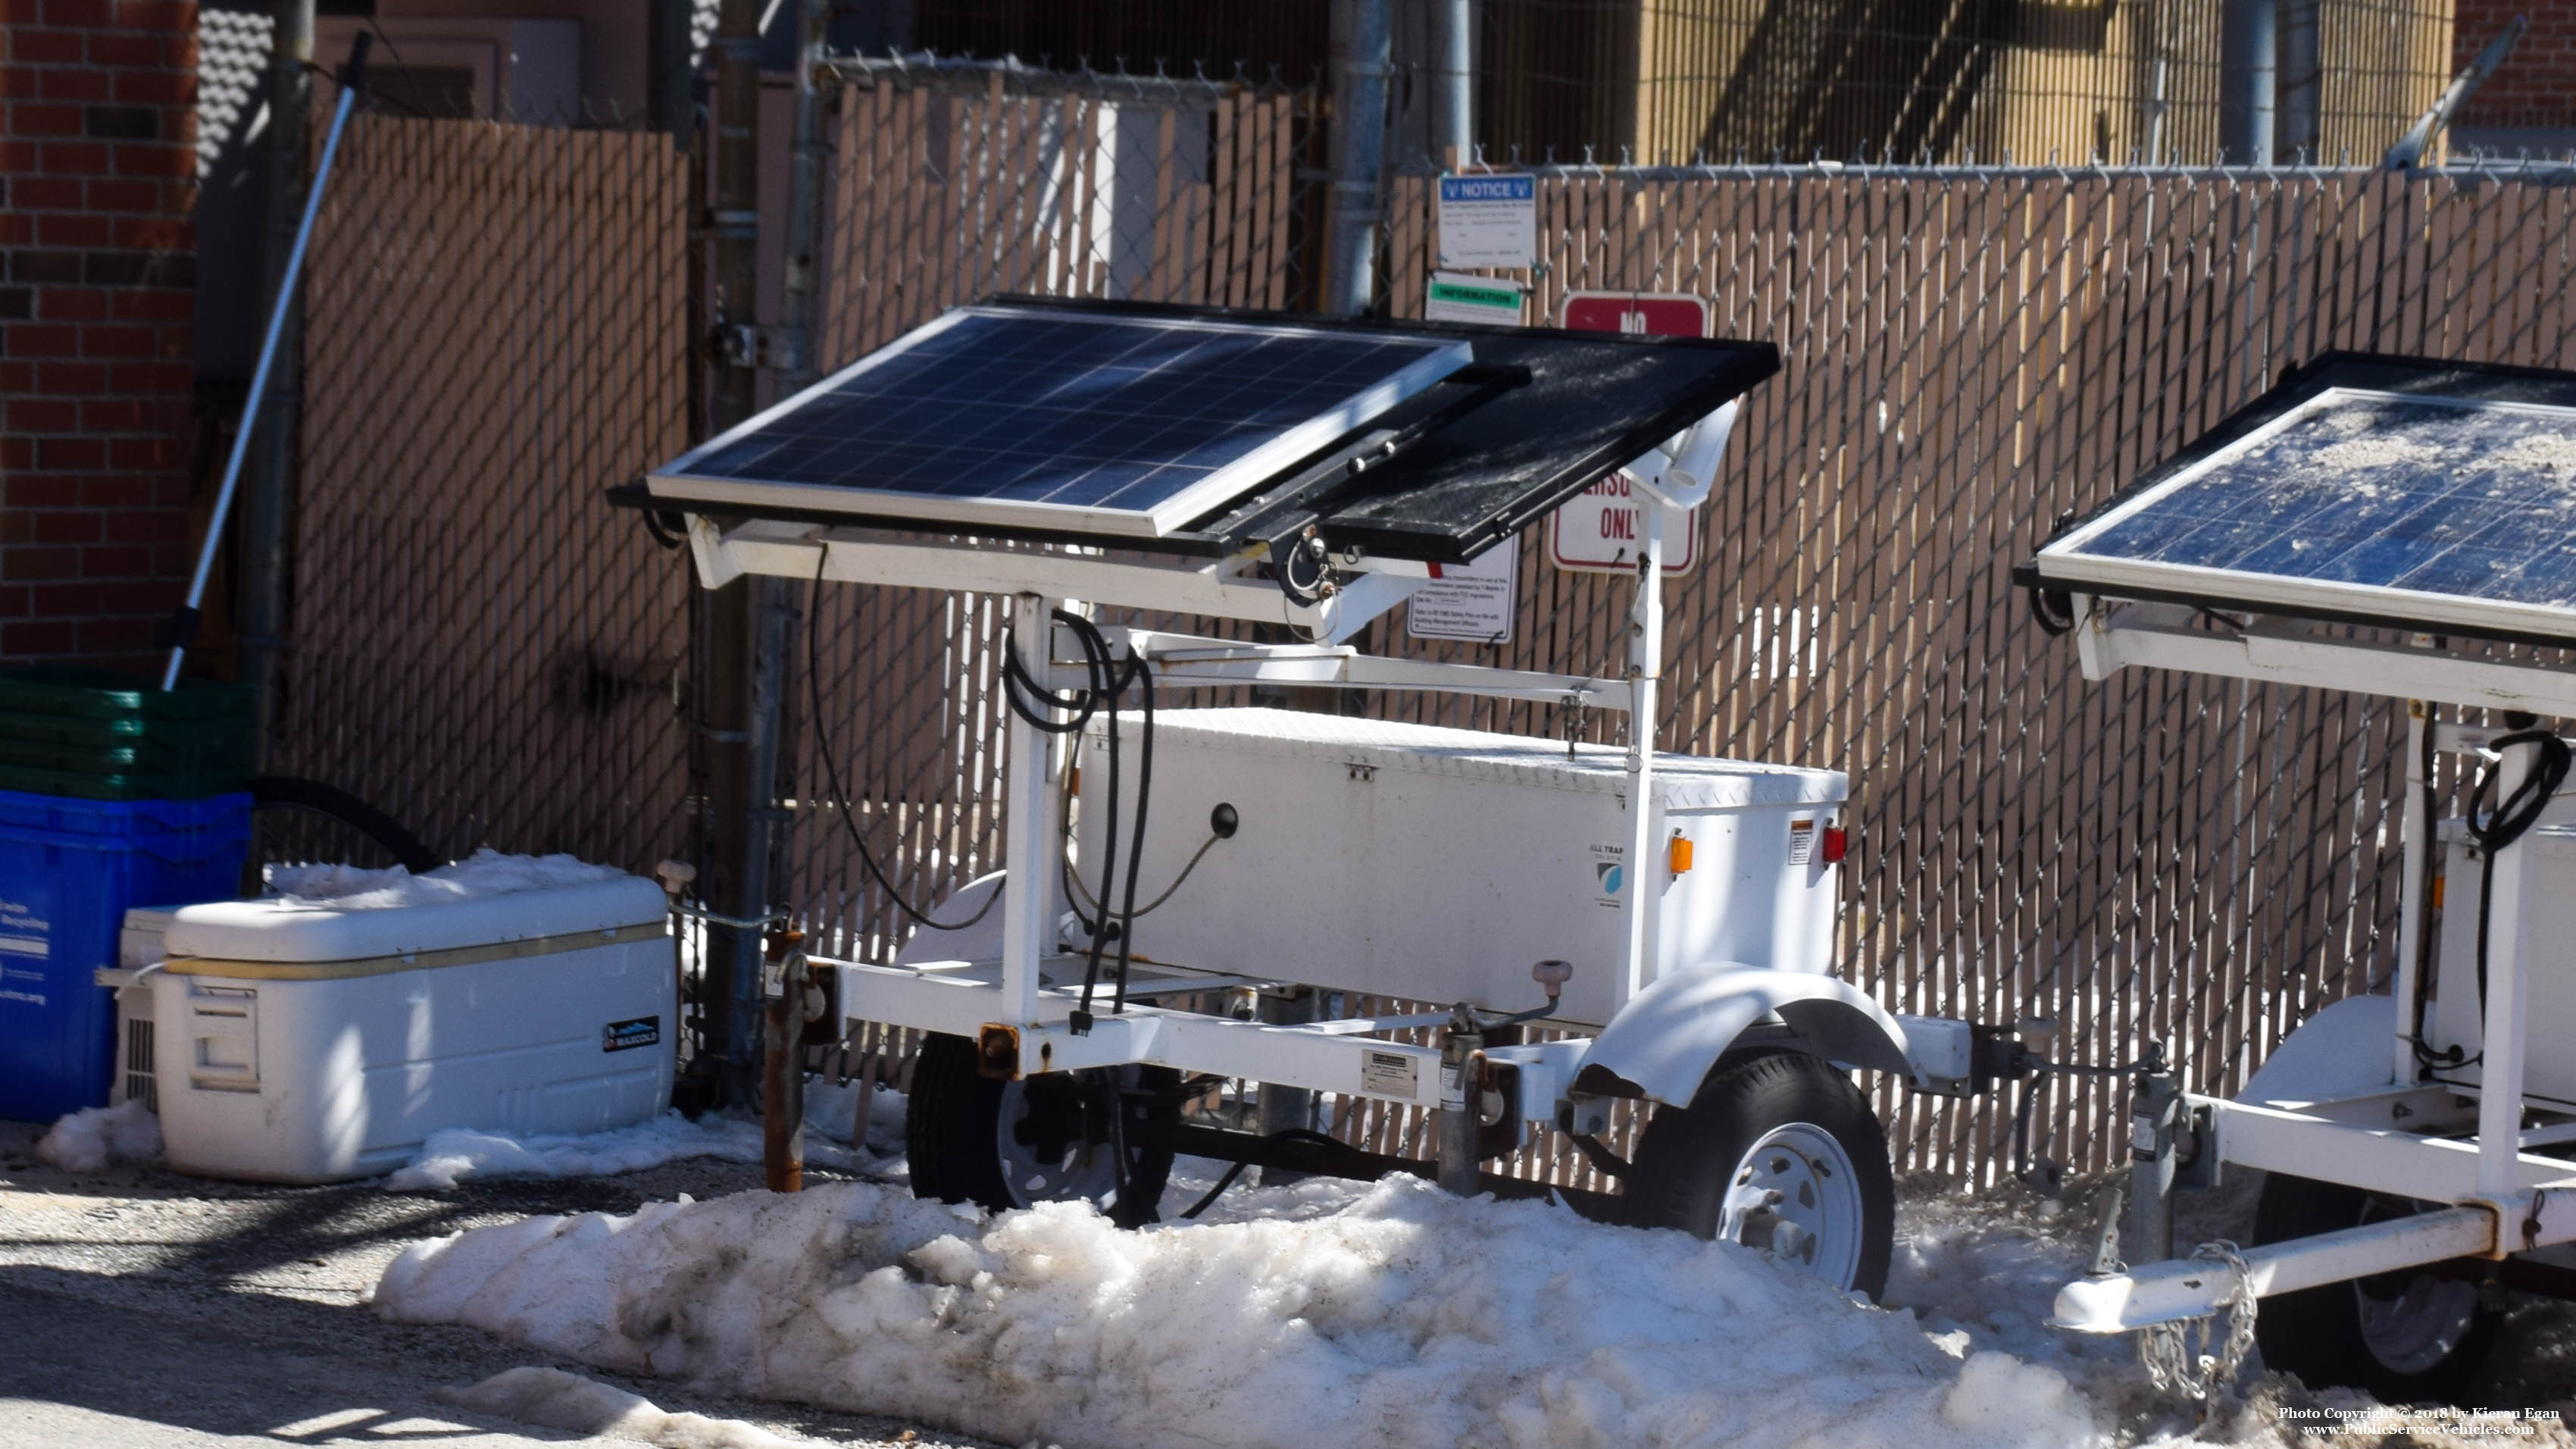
2458	1015
1439	864
303	1043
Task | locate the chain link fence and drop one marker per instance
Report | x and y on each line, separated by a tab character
500	328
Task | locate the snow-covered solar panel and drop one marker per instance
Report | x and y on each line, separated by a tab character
2419	509
1028	417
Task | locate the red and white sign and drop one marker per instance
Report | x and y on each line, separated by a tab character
1661	314
1602	528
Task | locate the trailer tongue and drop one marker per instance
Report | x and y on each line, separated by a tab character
2401	528
1194	896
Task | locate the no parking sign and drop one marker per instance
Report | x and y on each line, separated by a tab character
1601	529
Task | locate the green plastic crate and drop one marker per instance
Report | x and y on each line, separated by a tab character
137	754
107	694
132	785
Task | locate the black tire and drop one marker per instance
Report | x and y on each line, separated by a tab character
952	1124
1689	1158
292	818
2428	1355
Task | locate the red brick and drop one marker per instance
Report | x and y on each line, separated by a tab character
169	87
45	193
108	640
165	17
151	234
15	454
104	340
71	304
63	525
155	158
149	526
16	377
115	415
13	602
115	562
161	379
31	563
72	380
80	14
126	48
36	638
73	158
74	230
144	453
122	195
71	453
34	118
32	340
16	230
58	47
21	80
117	490
83	84
33	415
42	490
68	600
142	304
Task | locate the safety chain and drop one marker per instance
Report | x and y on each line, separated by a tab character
2176	1355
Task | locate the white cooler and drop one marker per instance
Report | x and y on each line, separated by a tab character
304	1043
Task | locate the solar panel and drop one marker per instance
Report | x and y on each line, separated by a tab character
2441	511
1044	418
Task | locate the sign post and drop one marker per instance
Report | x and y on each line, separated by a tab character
1601	529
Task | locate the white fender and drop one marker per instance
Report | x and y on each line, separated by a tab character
1664	1042
2339	1051
981	941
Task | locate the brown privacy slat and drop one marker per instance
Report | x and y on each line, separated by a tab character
2144	854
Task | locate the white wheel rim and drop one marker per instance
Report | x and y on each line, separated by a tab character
1080	1170
1794	1195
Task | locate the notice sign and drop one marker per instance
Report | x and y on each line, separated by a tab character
1488	221
1454	298
1473	601
1604	528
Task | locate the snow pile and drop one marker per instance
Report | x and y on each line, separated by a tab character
1402	1317
93	1137
553	1399
486	872
455	1154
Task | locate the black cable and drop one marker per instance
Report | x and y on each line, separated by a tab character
1222	1183
2422	946
2514	817
1108	680
832	768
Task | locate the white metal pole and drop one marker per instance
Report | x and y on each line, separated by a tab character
2508	998
1641	871
2413	920
279	306
1033	833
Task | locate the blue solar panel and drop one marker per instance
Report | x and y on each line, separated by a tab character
2469	506
1111	424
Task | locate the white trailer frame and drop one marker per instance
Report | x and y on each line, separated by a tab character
1006	1001
2499	1198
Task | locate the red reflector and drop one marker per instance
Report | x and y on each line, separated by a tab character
1837	843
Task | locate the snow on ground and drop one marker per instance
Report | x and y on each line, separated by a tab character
553	1399
93	1137
486	872
453	1155
1395	1316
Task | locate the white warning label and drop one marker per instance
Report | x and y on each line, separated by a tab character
1391	1074
1802	841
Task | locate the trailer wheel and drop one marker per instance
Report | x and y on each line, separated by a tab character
1012	1144
1780	1152
2412	1336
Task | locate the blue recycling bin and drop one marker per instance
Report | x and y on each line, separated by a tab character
69	868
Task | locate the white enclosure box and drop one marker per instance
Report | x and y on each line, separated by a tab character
1439	864
297	1043
2458	1017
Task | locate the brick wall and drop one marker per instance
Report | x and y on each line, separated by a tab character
2537	84
98	163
